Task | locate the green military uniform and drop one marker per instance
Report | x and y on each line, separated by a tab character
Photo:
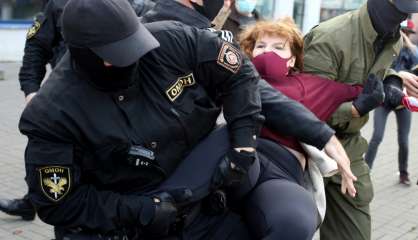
342	49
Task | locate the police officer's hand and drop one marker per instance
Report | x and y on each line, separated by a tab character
393	91
165	211
233	168
371	97
393	97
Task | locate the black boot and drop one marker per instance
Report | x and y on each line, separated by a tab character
18	207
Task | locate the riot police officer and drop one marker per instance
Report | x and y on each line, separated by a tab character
45	44
118	114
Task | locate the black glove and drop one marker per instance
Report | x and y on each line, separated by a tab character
233	168
393	92
165	213
371	97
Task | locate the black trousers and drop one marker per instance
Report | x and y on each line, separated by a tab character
280	207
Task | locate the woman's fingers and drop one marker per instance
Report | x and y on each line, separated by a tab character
347	186
344	167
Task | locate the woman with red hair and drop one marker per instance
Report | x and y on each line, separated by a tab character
276	49
289	212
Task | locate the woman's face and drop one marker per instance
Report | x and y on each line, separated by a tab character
276	44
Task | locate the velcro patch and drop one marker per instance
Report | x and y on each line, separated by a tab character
55	182
225	35
229	57
34	29
177	88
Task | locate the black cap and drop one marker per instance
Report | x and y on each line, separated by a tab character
406	6
110	28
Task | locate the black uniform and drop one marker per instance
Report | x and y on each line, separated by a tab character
45	43
77	170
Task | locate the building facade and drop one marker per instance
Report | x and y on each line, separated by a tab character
307	13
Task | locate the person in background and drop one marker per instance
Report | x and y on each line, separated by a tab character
243	13
45	45
406	60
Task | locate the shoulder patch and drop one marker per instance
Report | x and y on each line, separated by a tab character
177	88
34	29
55	182
229	57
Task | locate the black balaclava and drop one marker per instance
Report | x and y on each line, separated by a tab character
210	8
102	77
385	17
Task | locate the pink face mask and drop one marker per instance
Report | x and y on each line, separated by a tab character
271	66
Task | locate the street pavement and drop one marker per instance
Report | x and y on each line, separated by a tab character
394	208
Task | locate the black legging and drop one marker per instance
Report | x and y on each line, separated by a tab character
279	207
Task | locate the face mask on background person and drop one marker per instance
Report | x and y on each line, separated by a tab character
245	7
209	9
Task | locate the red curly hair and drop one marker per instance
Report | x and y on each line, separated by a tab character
285	28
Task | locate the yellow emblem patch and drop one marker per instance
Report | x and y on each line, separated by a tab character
55	182
33	30
182	82
229	57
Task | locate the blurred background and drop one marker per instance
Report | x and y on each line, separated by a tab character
16	17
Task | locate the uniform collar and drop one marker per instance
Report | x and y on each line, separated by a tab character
173	10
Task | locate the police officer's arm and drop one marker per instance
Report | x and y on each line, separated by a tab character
290	118
41	39
222	69
321	58
219	67
58	188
